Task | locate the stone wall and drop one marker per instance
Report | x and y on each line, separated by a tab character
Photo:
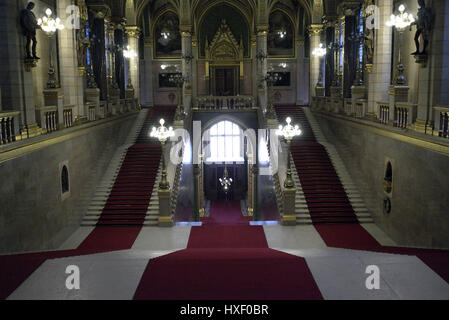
419	203
34	215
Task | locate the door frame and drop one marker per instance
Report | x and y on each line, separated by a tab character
213	78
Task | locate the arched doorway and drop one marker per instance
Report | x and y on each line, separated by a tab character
225	149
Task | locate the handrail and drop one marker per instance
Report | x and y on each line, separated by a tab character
225	102
441	120
8	126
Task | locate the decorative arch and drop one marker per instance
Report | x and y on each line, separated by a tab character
251	138
209	22
166	35
281	34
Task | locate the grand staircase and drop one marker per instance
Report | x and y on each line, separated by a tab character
123	199
322	197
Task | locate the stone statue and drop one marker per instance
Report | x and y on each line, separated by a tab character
29	26
368	36
368	43
423	25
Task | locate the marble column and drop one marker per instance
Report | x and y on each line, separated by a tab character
147	75
187	58
133	33
315	61
302	76
254	70
433	76
17	81
379	79
71	80
262	63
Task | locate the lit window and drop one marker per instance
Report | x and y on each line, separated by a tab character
225	142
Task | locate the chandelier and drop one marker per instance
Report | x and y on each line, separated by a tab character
48	24
225	181
319	51
402	20
162	133
288	131
129	53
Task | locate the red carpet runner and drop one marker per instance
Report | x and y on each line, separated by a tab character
326	198
227	259
123	204
328	202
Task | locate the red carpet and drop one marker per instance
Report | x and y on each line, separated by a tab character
211	274
330	209
226	258
354	236
325	196
129	198
123	208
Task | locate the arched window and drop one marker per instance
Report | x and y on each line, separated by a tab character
65	179
225	142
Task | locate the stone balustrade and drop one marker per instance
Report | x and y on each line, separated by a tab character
9	126
404	114
91	111
383	111
441	121
225	103
360	108
47	118
68	116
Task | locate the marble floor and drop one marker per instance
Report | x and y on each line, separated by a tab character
338	273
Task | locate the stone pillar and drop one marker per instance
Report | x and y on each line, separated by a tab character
262	63
315	61
254	70
196	192
249	209
379	79
187	58
289	217
433	75
133	34
255	174
165	216
302	77
55	97
194	68
16	80
147	74
70	78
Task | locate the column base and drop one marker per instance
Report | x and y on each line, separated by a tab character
421	127
178	124
288	220
166	221
272	123
31	130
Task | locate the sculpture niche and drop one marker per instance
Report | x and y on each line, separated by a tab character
29	26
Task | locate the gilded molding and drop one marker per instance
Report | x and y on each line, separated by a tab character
132	31
315	29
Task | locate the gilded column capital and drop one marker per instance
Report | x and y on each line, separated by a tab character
132	31
262	29
186	34
315	29
185	28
